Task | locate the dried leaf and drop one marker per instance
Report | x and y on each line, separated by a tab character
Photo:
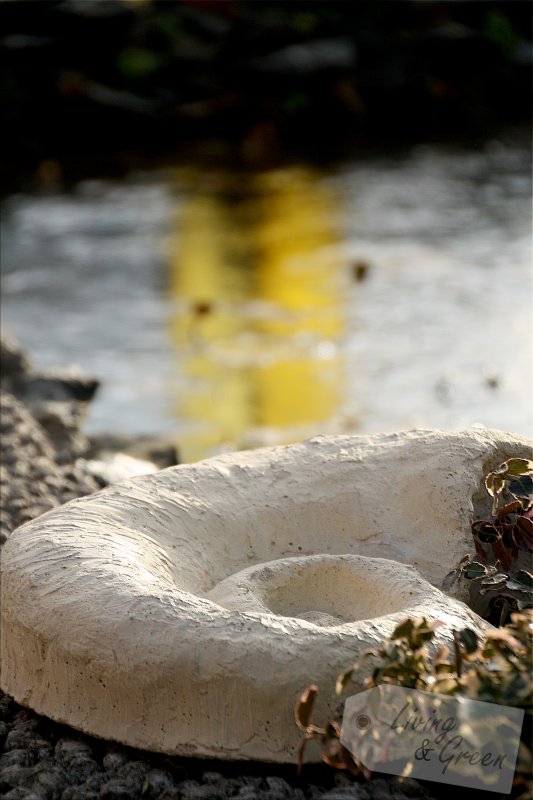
495	580
509	508
525	528
504	636
445	684
494	483
500	470
342	681
301	750
335	758
304	707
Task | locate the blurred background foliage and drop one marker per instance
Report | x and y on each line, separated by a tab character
255	220
107	84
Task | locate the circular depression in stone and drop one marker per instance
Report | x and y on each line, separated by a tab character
325	590
125	614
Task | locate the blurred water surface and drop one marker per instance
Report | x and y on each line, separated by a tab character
231	310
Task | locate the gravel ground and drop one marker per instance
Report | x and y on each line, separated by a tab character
45	761
41	760
31	479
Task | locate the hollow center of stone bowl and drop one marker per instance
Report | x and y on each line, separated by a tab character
326	590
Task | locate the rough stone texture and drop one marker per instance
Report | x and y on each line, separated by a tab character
159	450
13	361
31	480
106	608
117	467
33	476
62	421
335	591
57	398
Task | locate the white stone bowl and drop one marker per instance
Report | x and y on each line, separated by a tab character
185	611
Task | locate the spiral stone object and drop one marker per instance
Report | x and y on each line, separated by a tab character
184	611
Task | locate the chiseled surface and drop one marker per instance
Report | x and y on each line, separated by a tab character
133	614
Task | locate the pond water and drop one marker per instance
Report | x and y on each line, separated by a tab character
229	311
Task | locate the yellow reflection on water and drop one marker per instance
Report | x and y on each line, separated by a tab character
256	279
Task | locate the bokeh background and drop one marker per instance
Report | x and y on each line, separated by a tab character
257	221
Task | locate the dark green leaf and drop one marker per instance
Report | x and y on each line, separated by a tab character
138	62
522	488
468	640
522	581
425	634
506	610
525	577
403	630
474	570
515	586
519	466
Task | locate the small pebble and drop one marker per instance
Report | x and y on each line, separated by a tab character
67	750
81	768
17	739
169	794
380	789
79	793
211	776
40	748
113	760
21	793
268	795
247	793
51	779
156	782
353	792
14	776
251	781
408	787
278	785
203	793
118	789
134	773
18	757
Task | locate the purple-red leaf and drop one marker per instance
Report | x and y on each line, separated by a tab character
502	554
524	527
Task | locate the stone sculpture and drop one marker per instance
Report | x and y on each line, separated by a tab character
184	611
